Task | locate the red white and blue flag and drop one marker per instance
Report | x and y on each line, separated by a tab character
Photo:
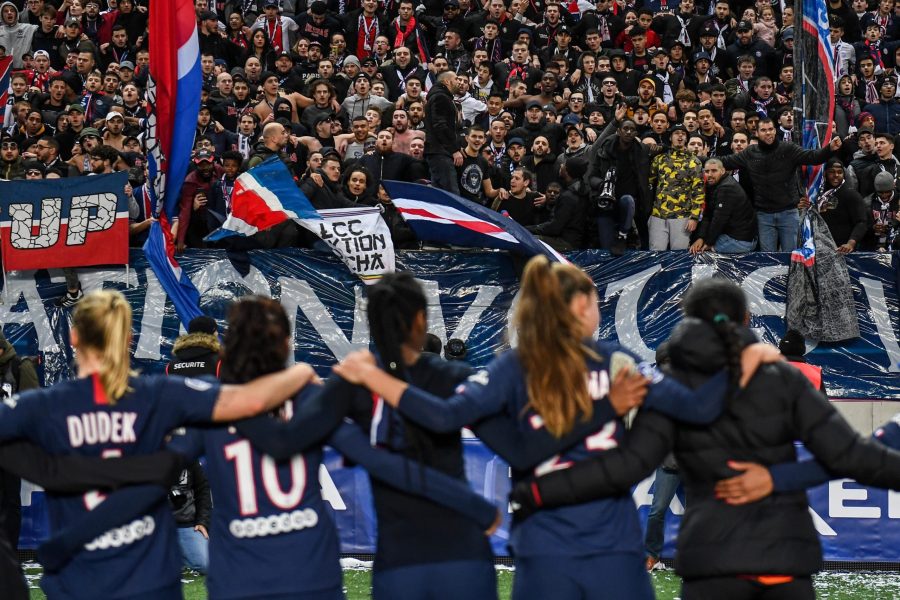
813	55
6	97
263	197
173	93
438	216
806	253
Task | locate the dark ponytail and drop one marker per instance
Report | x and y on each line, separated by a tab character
720	303
393	305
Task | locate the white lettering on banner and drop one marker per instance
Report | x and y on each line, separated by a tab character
91	213
754	286
821	526
879	313
95	279
22	235
213	275
297	293
838	496
330	493
626	312
436	325
893	504
22	286
359	236
150	337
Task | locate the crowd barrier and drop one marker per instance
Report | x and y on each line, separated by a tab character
471	295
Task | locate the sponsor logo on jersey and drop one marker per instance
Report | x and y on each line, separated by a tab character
124	535
296	520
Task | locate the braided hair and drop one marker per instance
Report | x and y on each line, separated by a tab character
394	303
722	304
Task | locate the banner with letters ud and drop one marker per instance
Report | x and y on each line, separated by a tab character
471	295
45	224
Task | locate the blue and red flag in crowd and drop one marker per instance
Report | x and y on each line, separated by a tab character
173	93
438	216
263	197
816	100
806	253
6	97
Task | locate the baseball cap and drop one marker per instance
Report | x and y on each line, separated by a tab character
203	324
114	114
286	54
369	61
549	108
203	156
269	3
207	14
43	53
73	22
563	29
76	107
533	104
701	56
126	64
89	131
678	127
788	33
323	117
516	140
571	120
744	26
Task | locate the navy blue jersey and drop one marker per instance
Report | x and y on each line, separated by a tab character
607	525
271	533
75	417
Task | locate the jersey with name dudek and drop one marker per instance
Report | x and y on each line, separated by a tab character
75	417
272	534
601	526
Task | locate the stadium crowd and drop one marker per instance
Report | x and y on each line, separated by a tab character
654	124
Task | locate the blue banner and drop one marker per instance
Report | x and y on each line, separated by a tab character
470	297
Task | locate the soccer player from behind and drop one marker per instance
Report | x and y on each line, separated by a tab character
108	411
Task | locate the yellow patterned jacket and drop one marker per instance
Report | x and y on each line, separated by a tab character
676	177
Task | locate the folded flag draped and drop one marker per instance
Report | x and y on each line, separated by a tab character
266	196
439	216
6	96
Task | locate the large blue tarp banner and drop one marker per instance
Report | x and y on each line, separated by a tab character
470	296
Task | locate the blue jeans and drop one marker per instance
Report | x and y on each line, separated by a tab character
194	549
443	172
778	229
664	490
610	223
728	245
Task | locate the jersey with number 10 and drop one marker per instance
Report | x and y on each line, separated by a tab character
75	417
272	534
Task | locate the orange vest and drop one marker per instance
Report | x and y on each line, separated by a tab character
812	372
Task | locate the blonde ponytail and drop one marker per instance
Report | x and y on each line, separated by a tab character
551	348
103	322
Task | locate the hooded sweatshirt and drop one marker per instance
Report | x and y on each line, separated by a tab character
16	37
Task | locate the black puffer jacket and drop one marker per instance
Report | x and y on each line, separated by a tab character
759	424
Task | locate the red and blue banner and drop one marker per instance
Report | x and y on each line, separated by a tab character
44	225
438	216
263	197
173	93
813	60
806	253
6	97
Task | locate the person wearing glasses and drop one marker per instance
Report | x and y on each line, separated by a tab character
11	163
33	169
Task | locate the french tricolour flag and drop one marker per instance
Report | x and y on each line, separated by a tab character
263	197
438	216
173	93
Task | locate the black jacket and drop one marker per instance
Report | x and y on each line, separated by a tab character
190	499
194	354
773	171
759	424
849	220
603	155
568	216
441	122
727	211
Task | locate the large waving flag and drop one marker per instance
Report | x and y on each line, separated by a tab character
438	216
816	73
263	197
173	93
266	196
